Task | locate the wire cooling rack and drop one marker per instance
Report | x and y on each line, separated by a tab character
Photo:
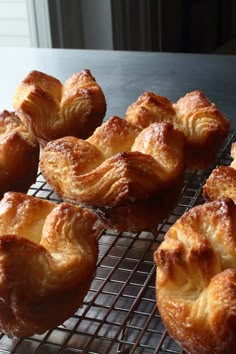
119	313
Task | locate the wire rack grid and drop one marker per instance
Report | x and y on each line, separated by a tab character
119	313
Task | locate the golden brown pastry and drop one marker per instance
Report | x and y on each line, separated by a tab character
204	127
53	110
48	255
222	181
19	155
150	108
196	279
118	167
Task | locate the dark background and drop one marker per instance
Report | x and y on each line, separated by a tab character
202	26
191	26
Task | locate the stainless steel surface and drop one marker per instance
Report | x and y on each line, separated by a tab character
119	313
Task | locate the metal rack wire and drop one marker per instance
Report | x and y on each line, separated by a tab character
119	313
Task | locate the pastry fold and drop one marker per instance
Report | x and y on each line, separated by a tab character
53	110
19	155
204	127
118	166
79	171
196	279
222	181
48	255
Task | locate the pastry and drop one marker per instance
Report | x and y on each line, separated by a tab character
141	215
222	181
53	110
48	255
196	279
19	155
119	166
204	127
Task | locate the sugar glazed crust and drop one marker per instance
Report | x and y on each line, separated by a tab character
118	171
132	166
196	279
53	110
19	155
222	181
48	255
204	127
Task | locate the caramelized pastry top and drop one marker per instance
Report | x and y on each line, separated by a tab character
116	165
198	118
150	108
222	181
194	115
52	109
11	125
114	136
19	154
196	279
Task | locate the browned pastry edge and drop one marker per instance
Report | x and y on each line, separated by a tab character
222	181
196	279
59	242
119	182
78	171
45	313
221	184
200	156
19	155
204	127
141	215
150	108
52	109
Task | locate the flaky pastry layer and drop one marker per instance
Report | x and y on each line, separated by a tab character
106	172
222	181
204	127
53	110
48	255
19	155
196	279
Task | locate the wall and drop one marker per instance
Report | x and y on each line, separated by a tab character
14	25
83	24
97	24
